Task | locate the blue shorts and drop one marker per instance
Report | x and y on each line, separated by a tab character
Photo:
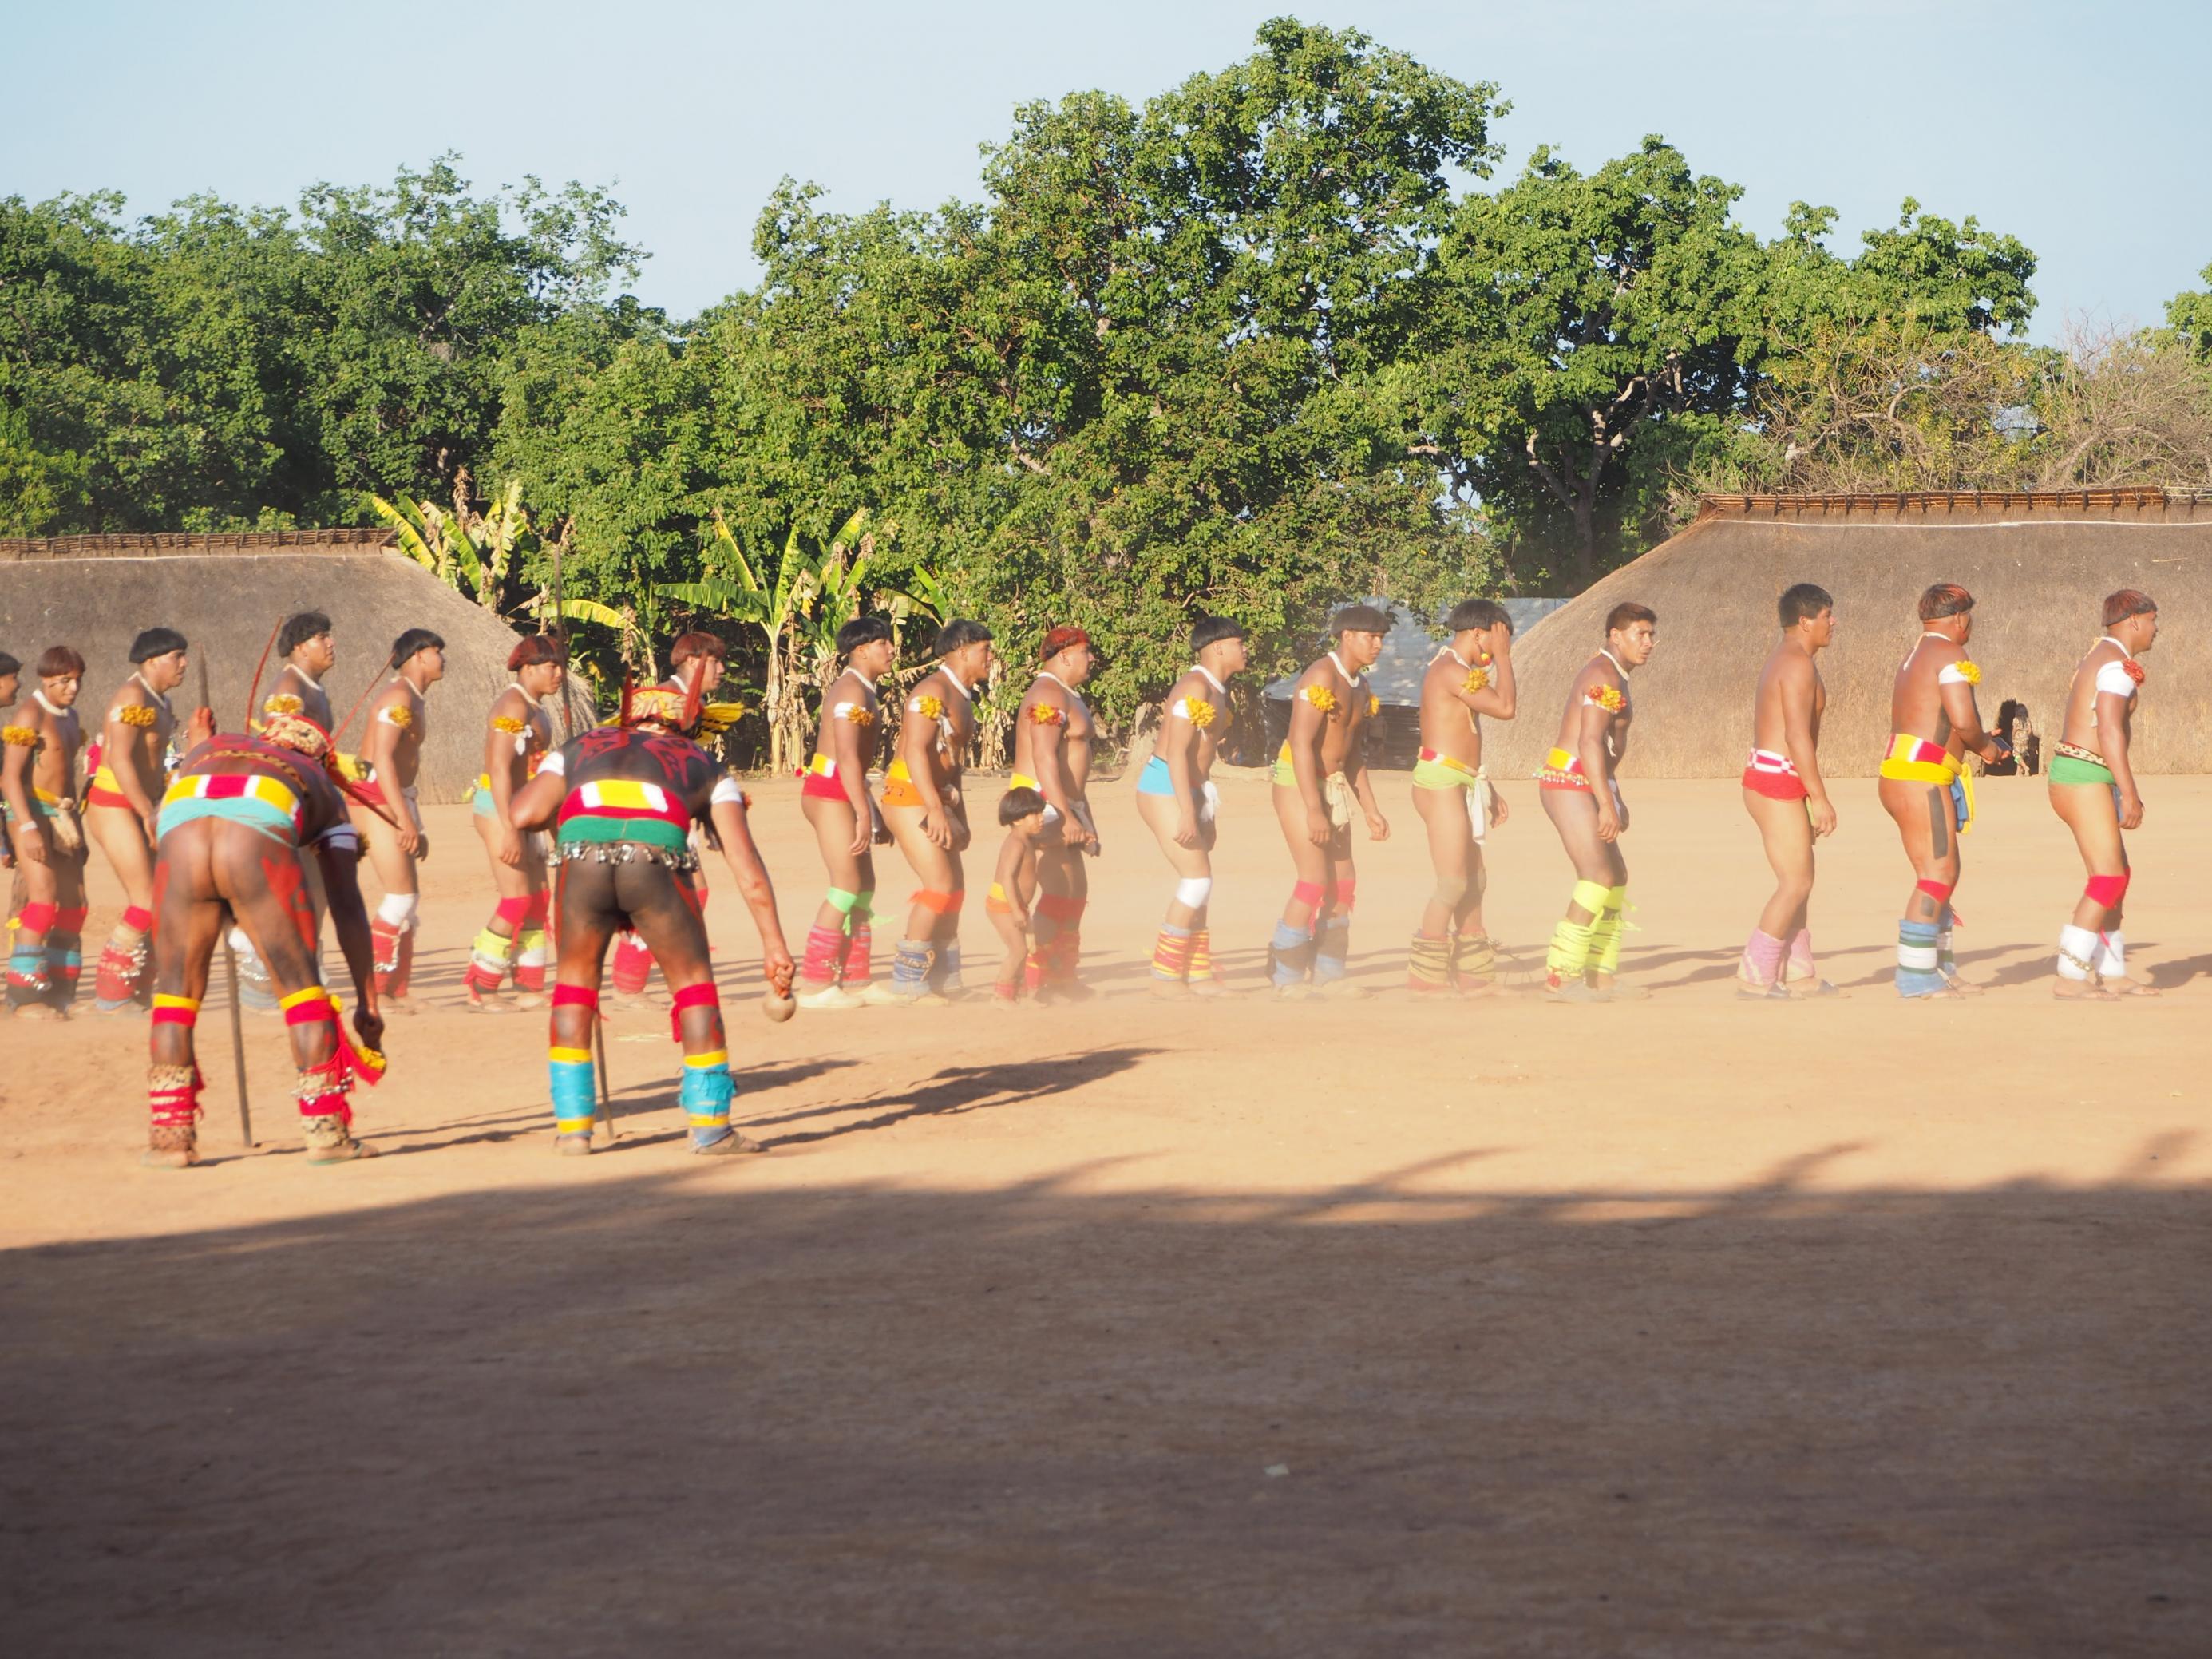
1154	778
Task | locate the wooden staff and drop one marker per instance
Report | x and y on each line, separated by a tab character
230	964
603	1119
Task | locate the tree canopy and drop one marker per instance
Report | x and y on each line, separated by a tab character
1268	340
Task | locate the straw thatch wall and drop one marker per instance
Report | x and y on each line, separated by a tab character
225	593
2037	567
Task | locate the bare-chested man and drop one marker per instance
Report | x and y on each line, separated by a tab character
838	971
518	736
238	824
120	803
1053	735
1179	802
926	808
37	768
392	750
1788	798
2093	789
1925	786
1580	787
1320	779
1470	677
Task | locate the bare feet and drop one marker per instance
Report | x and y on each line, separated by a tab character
2122	985
2080	990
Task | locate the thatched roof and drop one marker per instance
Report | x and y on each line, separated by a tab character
2038	566
225	593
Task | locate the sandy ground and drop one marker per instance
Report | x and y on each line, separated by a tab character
1688	1327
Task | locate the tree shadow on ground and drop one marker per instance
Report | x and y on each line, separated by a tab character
692	1410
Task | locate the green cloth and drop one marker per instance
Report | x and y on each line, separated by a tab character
646	832
2064	768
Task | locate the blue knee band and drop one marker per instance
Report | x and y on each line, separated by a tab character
575	1098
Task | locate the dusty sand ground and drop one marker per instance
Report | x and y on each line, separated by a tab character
1684	1328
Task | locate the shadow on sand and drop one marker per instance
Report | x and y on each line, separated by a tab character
694	1411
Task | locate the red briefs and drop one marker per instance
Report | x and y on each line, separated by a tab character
1773	777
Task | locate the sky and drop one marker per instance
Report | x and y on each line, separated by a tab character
2078	129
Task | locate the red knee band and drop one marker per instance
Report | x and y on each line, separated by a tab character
1935	890
576	996
512	912
535	908
310	1010
39	918
1345	890
138	919
1307	893
701	995
1059	907
2108	891
72	921
935	903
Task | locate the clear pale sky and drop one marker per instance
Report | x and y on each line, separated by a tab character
2079	129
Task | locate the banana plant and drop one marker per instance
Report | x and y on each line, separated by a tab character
469	551
796	604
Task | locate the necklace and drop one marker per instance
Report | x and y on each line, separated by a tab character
158	696
1350	678
40	694
1201	668
2125	653
1046	674
1610	657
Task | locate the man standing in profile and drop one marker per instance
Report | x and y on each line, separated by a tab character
1787	797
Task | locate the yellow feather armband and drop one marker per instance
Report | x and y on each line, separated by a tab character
283	703
19	736
399	715
1968	672
137	714
510	724
1607	698
1202	713
1048	713
930	708
1477	680
1374	705
860	714
1321	698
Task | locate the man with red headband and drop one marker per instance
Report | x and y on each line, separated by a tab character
1054	732
1788	798
1925	786
2092	790
129	773
237	824
518	736
623	800
38	770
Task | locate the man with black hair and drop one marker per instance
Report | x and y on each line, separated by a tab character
38	749
309	652
1580	787
1054	732
1013	889
1179	803
391	753
1788	798
924	805
1470	676
1320	778
1926	788
130	772
838	972
518	736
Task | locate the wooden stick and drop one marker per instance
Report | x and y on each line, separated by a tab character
230	962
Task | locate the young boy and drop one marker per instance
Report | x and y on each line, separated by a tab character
1013	887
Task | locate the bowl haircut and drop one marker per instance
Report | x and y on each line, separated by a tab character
414	640
1212	631
861	630
58	662
2127	601
1626	614
957	634
1802	603
532	649
1018	804
1945	599
298	629
155	642
1476	615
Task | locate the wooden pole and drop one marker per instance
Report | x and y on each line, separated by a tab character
230	965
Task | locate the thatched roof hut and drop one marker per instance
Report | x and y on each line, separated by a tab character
2036	565
225	593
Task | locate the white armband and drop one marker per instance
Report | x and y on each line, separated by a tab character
1181	710
555	764
1958	673
726	793
2113	677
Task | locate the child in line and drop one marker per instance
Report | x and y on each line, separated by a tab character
1013	887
